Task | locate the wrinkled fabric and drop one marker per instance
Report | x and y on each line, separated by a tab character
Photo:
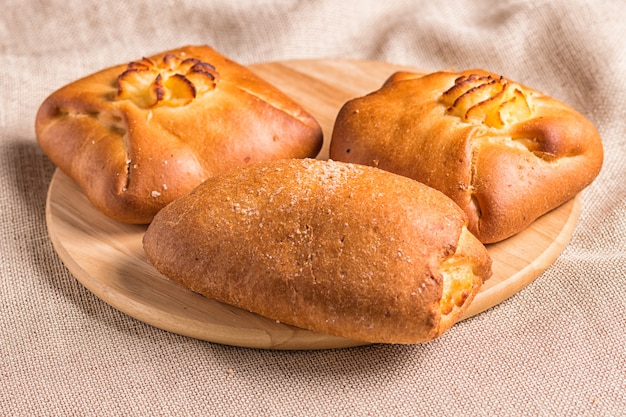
558	347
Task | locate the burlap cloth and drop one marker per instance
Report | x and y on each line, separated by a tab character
556	348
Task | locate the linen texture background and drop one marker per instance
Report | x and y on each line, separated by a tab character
558	347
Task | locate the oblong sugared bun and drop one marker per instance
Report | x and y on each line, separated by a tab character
337	248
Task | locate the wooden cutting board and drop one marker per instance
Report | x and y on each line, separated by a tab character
107	256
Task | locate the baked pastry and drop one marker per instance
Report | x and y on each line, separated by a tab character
137	136
337	248
505	153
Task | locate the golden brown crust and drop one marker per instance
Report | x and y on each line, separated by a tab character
139	135
337	248
505	153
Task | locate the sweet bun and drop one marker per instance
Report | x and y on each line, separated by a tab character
332	247
505	153
137	136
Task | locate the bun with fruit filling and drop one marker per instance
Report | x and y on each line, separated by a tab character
337	248
505	153
137	136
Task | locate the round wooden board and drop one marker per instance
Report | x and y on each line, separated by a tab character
108	259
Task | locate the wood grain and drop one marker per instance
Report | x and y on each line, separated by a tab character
107	256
